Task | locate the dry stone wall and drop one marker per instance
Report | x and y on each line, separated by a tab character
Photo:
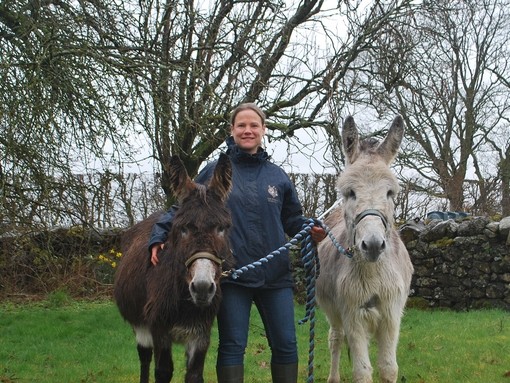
460	264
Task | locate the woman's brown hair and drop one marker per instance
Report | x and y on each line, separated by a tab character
248	106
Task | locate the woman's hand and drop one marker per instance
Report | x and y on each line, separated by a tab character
154	253
317	233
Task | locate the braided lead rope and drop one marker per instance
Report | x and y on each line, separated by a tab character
298	237
342	250
312	270
234	274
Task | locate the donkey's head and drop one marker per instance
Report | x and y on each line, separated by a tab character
368	188
199	234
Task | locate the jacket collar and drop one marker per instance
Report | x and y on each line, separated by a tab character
238	155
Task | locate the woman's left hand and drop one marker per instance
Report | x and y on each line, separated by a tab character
317	233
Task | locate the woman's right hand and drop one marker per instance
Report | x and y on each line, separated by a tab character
154	253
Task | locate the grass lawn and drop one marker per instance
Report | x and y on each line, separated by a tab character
83	342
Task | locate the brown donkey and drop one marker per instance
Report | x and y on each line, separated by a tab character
177	300
365	295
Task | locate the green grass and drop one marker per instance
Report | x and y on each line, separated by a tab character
62	341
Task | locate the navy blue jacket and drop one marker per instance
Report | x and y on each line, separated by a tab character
264	206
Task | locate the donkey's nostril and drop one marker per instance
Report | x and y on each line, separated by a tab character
202	287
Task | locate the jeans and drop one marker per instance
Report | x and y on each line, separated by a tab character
276	308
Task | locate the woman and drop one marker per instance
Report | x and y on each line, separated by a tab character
264	207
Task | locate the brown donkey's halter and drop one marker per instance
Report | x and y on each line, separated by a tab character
209	256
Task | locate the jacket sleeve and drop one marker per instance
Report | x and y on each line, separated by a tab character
162	227
206	173
292	211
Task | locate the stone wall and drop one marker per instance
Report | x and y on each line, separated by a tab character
460	264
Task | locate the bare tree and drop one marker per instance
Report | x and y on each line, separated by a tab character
316	192
81	78
62	103
500	141
210	60
437	70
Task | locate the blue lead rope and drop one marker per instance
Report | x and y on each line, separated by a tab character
285	248
312	270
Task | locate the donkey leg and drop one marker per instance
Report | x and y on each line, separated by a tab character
145	357
335	341
145	349
358	338
164	365
387	340
196	351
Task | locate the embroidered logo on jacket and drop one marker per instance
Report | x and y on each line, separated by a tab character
273	192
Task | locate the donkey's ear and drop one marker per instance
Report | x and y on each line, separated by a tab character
180	182
350	140
221	182
388	149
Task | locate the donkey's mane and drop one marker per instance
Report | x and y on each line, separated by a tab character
368	161
368	145
356	174
197	196
202	192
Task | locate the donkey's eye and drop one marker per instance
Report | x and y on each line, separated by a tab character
350	194
220	230
188	229
391	194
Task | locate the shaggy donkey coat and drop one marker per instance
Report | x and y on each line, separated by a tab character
177	300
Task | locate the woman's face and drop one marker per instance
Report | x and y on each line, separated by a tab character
248	130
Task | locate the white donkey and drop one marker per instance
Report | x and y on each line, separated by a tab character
365	295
